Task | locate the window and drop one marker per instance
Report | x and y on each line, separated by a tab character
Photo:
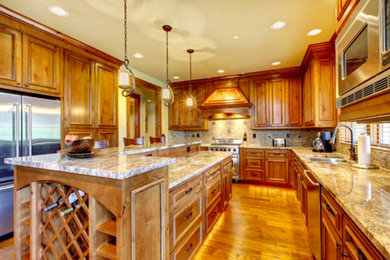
380	133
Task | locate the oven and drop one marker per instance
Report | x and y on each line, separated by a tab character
233	146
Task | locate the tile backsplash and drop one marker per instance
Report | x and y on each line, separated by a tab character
237	127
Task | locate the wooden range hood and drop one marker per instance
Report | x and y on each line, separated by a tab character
226	102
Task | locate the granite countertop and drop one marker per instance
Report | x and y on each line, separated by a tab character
363	194
189	166
113	166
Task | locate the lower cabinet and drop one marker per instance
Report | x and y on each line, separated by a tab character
195	206
265	166
331	243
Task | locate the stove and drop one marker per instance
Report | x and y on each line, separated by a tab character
233	146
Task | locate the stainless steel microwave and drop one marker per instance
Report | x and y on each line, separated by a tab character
363	45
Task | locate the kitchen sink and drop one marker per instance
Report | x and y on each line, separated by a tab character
327	159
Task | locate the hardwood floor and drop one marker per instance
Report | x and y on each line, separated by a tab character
261	223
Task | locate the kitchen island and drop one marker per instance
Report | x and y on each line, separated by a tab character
122	206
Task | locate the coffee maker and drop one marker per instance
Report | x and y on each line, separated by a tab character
322	142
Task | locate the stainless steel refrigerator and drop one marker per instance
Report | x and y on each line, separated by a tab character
28	126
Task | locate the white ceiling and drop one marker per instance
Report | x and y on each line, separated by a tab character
204	25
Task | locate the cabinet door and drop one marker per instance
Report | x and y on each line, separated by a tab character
42	65
308	97
277	102
331	244
261	107
108	134
225	190
106	93
294	102
174	111
10	57
276	170
195	117
326	94
78	94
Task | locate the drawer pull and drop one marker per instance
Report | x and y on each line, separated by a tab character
214	190
330	210
338	245
189	248
188	217
211	175
213	214
276	153
188	191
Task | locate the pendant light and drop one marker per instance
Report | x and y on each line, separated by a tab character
167	93
126	78
191	101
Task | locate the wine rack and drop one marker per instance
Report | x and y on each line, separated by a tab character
64	236
106	233
24	221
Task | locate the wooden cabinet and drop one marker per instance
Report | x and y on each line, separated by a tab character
331	244
265	166
180	118
319	87
106	94
42	65
79	91
276	170
10	57
111	135
344	9
226	183
277	103
294	102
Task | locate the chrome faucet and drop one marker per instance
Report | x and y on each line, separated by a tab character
352	151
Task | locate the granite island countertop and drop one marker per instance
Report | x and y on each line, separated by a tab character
192	165
363	194
113	166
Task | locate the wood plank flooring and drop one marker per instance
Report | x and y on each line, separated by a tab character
261	223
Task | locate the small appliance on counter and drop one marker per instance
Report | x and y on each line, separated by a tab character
279	142
322	142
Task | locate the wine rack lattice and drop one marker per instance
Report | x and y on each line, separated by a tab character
67	236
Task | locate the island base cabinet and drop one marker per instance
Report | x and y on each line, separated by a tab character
331	244
60	215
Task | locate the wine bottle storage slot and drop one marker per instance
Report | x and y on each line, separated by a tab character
64	222
24	221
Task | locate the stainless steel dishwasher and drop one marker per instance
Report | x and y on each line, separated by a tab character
311	208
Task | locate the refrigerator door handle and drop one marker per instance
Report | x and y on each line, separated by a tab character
16	126
7	187
28	114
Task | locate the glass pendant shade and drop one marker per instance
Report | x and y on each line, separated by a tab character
124	79
191	103
167	93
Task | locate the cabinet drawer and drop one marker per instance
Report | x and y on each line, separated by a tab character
254	163
190	244
184	218
331	210
213	192
253	153
253	175
213	173
213	215
183	192
276	153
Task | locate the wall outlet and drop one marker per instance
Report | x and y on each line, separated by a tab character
197	135
288	135
254	136
269	136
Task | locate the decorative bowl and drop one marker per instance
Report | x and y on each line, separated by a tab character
80	146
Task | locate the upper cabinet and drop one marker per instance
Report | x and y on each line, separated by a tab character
344	10
106	94
10	57
294	101
319	89
42	65
180	118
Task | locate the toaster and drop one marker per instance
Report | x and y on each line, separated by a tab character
279	142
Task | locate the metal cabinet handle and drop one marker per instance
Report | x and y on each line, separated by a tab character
29	127
213	214
188	191
188	217
16	127
213	191
329	210
189	248
7	187
310	180
213	174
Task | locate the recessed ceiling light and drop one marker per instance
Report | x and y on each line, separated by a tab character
220	71
275	63
314	32
148	100
176	77
58	11
138	55
278	25
235	37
